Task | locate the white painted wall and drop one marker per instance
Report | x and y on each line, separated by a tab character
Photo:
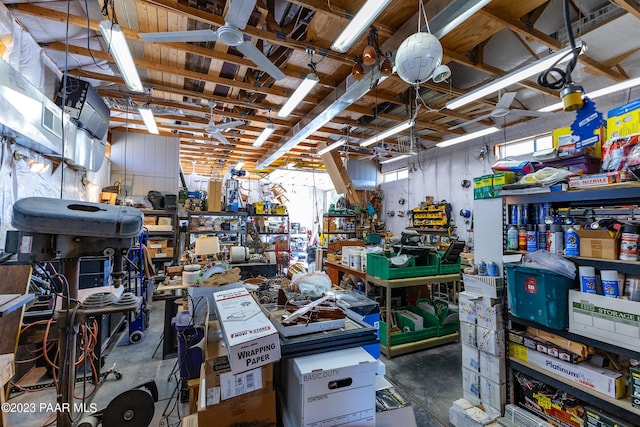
145	162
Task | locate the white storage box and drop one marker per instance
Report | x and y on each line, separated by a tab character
490	341
335	388
468	334
470	358
612	320
493	367
471	382
493	393
489	316
467	307
252	340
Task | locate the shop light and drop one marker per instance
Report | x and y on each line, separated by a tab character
264	135
115	39
467	137
239	165
597	93
454	17
300	93
387	133
149	120
333	146
514	77
393	159
360	22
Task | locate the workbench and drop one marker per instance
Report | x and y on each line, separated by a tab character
394	350
335	268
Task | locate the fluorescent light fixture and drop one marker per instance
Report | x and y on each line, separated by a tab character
597	93
457	17
333	146
149	120
115	39
393	159
360	22
300	93
266	133
239	165
387	133
467	137
514	77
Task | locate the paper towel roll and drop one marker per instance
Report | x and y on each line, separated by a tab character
238	254
587	279
610	285
189	277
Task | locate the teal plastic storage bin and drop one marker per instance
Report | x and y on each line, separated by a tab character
539	295
378	265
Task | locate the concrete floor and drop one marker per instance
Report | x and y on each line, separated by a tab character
430	379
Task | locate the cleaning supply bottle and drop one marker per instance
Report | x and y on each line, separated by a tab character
522	238
482	268
512	238
571	242
532	238
555	242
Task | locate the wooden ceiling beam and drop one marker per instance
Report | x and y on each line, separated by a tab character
590	64
273	38
630	6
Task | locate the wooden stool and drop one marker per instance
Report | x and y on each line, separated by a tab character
194	388
7	370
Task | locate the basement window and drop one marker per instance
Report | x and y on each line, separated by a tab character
395	175
522	147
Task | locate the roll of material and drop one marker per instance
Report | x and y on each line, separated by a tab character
610	285
587	279
89	421
239	254
189	277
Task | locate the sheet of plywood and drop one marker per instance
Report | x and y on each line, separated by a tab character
14	279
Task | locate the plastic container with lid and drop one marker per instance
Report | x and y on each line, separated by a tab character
629	239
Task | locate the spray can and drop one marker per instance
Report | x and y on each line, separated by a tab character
492	269
536	213
524	214
482	268
514	216
629	240
522	238
512	238
556	239
571	242
532	238
542	236
545	211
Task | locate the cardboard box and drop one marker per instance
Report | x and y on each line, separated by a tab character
164	220
601	380
599	179
190	421
150	220
597	418
257	408
471	382
214	196
624	124
251	339
470	358
493	367
558	407
334	388
489	316
412	318
611	320
223	384
467	307
466	413
468	334
598	244
162	253
157	243
392	408
490	341
571	145
493	393
634	381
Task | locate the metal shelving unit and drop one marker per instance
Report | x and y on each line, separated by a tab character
204	223
617	199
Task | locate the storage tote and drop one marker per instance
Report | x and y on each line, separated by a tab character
539	295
